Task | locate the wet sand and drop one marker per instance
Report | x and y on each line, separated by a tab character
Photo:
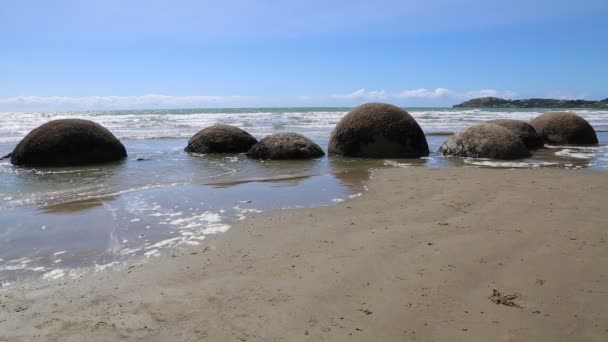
416	258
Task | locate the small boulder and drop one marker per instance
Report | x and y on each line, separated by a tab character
378	130
485	140
220	139
285	146
523	130
68	142
563	128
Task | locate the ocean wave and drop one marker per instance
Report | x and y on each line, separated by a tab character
158	124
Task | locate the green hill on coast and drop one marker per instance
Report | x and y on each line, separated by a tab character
495	102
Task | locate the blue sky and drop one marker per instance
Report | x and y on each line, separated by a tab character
162	54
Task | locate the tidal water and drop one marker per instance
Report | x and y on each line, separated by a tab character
65	222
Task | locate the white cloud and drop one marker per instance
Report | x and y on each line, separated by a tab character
566	95
362	94
121	102
424	94
505	94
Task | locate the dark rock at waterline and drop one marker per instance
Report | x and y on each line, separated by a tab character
285	146
523	130
563	128
485	140
220	139
68	142
6	156
378	130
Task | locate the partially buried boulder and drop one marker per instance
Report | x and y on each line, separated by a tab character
564	129
220	139
523	130
285	146
485	140
68	142
378	130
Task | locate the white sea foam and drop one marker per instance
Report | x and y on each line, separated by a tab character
54	274
156	124
574	154
190	230
393	163
99	268
13	267
165	124
242	212
507	164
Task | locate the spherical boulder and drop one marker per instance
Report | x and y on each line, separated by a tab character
485	140
563	128
378	130
220	139
285	146
68	142
523	130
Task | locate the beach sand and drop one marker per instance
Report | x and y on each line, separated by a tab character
417	258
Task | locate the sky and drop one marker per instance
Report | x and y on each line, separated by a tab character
116	54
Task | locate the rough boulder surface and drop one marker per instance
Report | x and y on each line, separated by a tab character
68	142
523	130
485	141
563	128
378	130
285	146
220	139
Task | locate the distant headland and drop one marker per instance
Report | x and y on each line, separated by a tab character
495	102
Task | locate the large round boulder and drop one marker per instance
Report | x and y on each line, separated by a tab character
378	130
563	128
68	142
523	130
485	140
220	139
285	146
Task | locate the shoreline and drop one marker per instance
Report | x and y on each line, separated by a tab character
415	258
125	228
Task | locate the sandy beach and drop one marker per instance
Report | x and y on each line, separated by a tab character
454	254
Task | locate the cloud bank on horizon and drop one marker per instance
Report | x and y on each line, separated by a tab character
424	94
67	54
149	101
153	101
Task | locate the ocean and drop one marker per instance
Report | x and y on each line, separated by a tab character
66	222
